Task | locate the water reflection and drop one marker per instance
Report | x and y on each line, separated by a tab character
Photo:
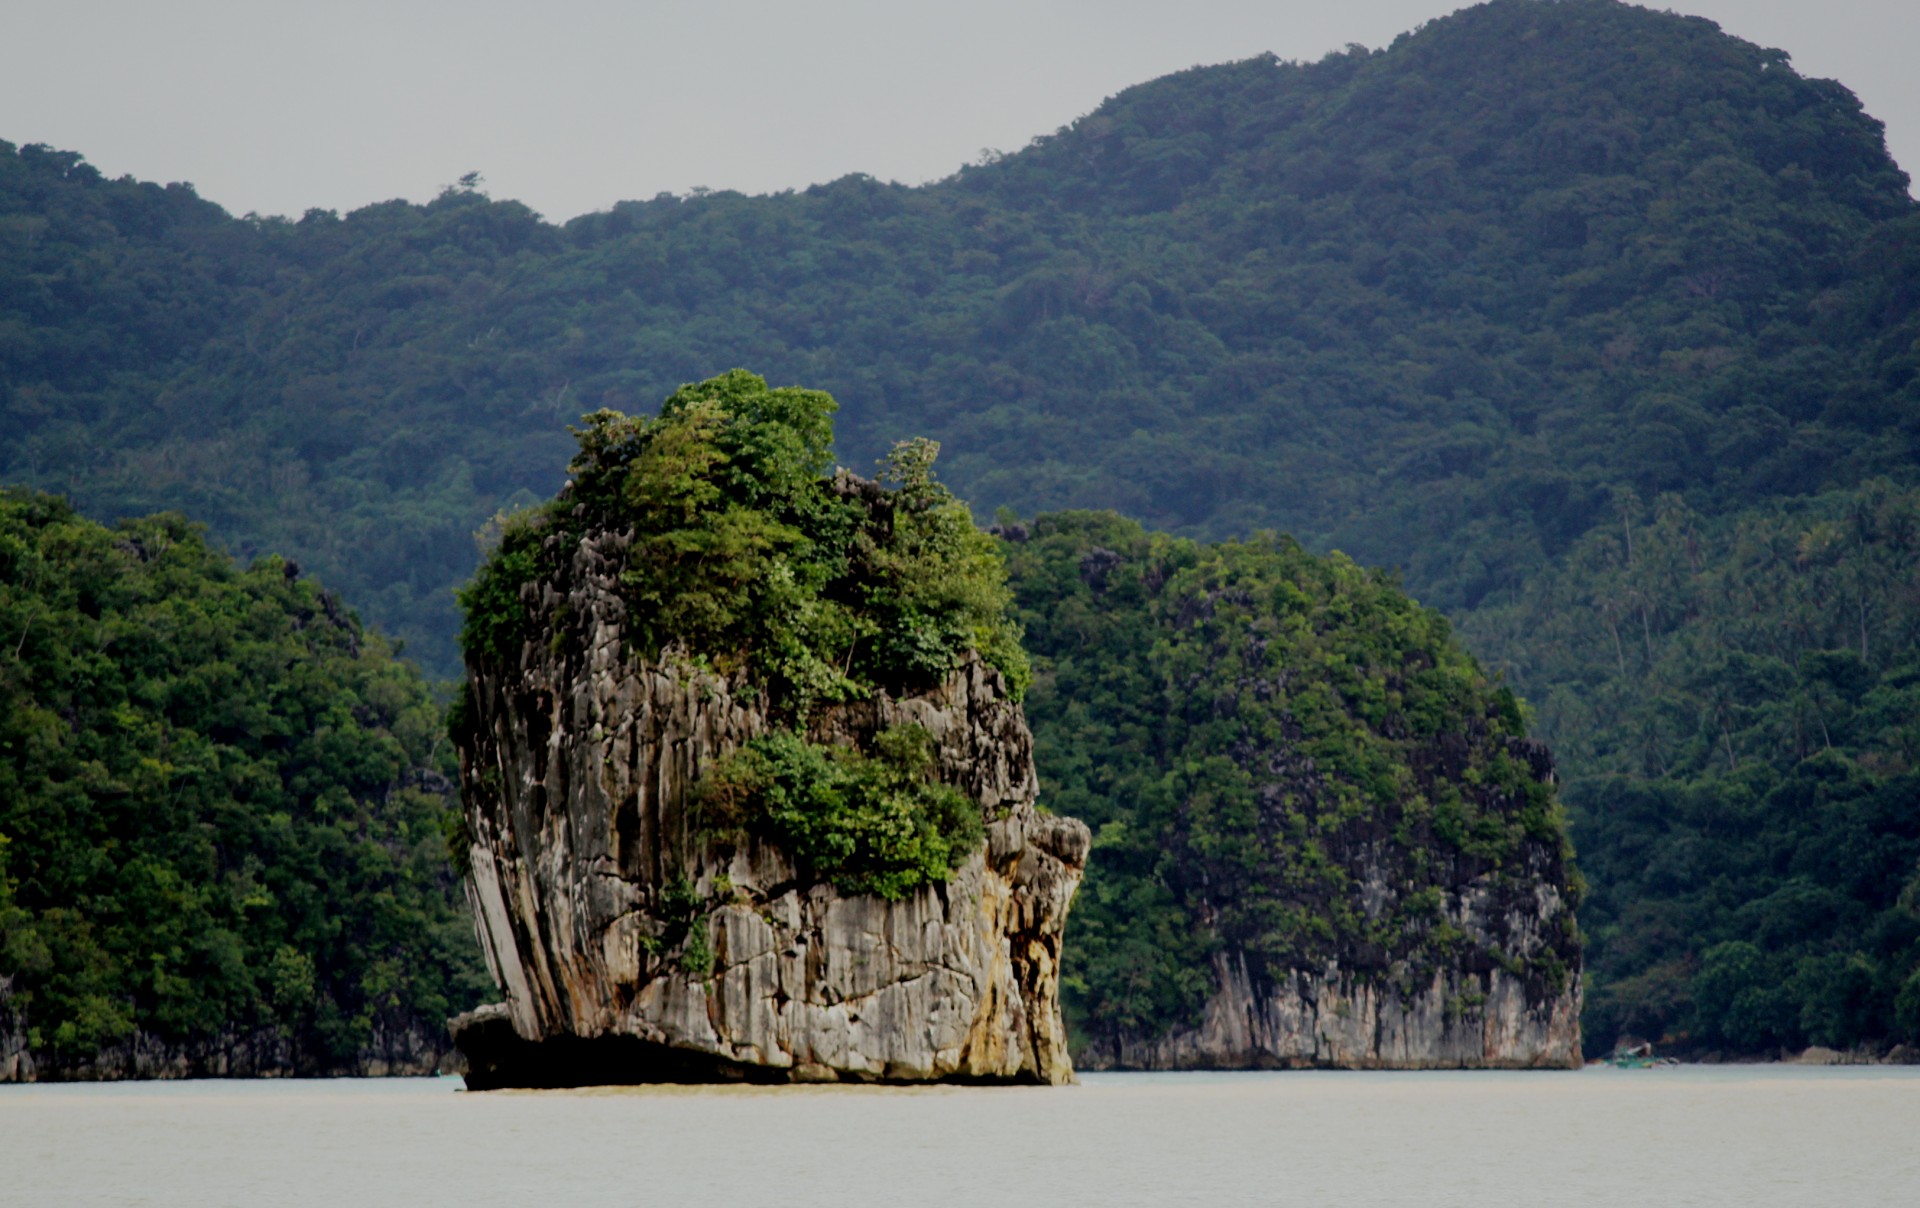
1754	1135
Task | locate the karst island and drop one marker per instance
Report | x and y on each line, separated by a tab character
748	788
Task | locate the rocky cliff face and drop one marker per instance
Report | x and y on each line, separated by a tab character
1474	1012
1502	993
16	1062
630	947
1333	1018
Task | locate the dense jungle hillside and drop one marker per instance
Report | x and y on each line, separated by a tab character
1430	304
1741	699
223	817
1497	306
1286	762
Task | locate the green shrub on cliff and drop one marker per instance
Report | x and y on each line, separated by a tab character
222	804
869	823
1252	730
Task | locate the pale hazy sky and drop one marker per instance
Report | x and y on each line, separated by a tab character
571	105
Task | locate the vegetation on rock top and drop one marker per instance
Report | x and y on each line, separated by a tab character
740	553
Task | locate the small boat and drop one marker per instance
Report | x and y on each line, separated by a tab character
1636	1057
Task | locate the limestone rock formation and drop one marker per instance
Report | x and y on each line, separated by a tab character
1333	1019
1459	1017
632	947
1335	845
1508	998
16	1060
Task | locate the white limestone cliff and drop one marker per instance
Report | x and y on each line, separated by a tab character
631	948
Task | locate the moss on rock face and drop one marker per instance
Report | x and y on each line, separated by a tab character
1285	761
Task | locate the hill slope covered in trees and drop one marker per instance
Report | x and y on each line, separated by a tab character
223	817
1455	307
1431	304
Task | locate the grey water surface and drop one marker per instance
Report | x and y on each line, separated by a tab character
1743	1135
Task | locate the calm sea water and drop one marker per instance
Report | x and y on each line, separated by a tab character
1742	1136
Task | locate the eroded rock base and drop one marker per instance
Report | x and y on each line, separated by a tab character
498	1059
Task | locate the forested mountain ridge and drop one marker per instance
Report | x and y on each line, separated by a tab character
1430	304
1535	274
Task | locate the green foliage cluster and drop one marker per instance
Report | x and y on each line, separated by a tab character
874	823
681	908
745	555
223	804
1242	724
1741	698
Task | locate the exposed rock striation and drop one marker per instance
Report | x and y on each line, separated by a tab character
1337	1019
16	1059
632	946
1506	995
1472	1013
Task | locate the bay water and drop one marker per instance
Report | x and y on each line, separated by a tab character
1727	1135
